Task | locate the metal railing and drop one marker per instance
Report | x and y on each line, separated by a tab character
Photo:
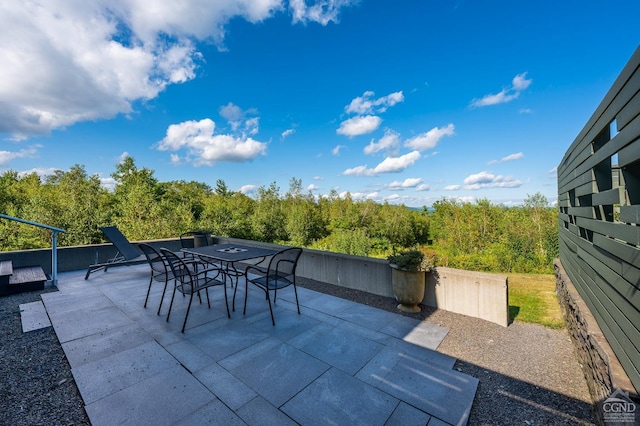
54	243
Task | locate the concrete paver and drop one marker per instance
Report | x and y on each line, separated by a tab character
33	316
337	362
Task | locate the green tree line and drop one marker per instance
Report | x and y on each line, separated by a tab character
478	236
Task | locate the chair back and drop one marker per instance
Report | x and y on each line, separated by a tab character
284	263
126	249
192	239
155	259
178	267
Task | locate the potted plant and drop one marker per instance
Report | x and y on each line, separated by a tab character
408	276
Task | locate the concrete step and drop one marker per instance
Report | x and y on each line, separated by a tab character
6	270
20	280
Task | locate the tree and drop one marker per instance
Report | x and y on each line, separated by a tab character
536	205
74	201
304	223
17	195
137	207
221	188
395	225
188	198
268	221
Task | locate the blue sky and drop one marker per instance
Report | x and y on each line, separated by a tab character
407	101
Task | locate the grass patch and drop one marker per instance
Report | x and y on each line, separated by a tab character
532	299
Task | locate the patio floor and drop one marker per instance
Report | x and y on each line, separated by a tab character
339	362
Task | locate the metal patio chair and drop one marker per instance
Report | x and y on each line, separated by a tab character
160	271
191	278
280	273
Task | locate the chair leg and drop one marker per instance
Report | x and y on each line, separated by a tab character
172	297
234	295
273	321
184	324
295	290
164	290
148	291
226	302
246	293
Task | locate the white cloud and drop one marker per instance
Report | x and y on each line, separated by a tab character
430	139
389	142
248	189
423	187
397	164
287	133
501	97
176	160
388	165
42	172
358	171
65	62
108	183
312	187
489	180
204	148
7	156
407	183
511	157
360	125
518	84
251	125
231	112
366	105
240	120
451	188
123	157
336	150
321	11
359	195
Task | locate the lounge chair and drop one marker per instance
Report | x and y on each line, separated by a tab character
127	254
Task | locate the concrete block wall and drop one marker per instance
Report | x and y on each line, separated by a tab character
76	257
475	294
355	272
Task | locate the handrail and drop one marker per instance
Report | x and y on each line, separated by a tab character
54	243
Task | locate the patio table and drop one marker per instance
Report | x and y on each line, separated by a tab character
229	254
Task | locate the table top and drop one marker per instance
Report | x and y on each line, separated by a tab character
230	252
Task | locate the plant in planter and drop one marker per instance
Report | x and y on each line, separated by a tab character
408	269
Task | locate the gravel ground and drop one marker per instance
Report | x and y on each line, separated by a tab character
37	385
528	374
